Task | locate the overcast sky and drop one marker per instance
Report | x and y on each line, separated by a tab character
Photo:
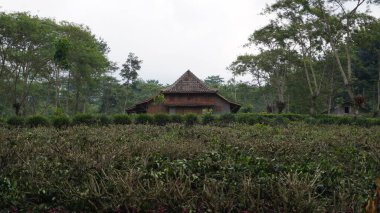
170	36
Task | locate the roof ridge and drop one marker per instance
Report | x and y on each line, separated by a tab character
191	85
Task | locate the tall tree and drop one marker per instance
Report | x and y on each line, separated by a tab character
25	54
62	46
368	40
339	19
129	72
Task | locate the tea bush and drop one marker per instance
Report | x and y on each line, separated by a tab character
248	119
208	119
280	120
143	119
227	118
190	119
103	120
37	120
16	121
122	119
176	118
2	122
237	168
61	121
84	119
161	119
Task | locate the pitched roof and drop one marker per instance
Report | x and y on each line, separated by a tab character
189	83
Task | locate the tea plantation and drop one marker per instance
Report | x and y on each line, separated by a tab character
292	167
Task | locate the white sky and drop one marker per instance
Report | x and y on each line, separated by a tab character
170	36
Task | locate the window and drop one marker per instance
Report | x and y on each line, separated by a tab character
346	109
171	110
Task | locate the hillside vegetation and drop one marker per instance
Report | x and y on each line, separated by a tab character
294	167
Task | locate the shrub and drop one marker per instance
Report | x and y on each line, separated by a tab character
143	119
227	118
2	122
208	118
61	121
280	120
310	120
176	118
295	117
367	122
37	120
16	121
122	119
325	119
104	120
246	109
248	118
84	119
191	119
161	119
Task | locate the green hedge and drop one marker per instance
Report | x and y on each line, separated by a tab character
143	119
161	119
16	121
208	119
37	120
61	121
188	119
176	118
122	119
84	119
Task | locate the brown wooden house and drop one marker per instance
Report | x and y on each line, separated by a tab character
188	94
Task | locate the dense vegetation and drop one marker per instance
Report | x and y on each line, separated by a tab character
312	56
174	168
67	144
63	121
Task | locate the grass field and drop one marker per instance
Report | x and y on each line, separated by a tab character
295	167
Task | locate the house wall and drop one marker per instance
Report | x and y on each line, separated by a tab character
190	103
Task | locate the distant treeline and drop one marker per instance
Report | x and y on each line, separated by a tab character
309	61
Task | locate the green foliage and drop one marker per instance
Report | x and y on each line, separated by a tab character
37	120
61	121
161	119
246	109
59	112
104	120
175	118
84	119
16	121
143	119
159	99
227	118
2	122
250	119
298	168
190	119
130	68
208	119
122	119
280	120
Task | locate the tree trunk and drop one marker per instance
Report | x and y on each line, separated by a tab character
126	100
346	78
312	106
57	85
378	83
76	101
331	93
